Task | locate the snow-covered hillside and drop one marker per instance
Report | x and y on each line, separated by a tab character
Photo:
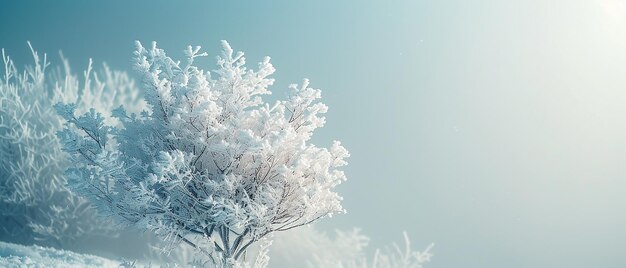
13	256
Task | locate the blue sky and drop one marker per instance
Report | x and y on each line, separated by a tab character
495	129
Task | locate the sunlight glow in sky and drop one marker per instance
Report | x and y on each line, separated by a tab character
616	9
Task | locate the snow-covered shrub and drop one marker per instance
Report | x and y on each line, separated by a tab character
210	164
35	205
316	248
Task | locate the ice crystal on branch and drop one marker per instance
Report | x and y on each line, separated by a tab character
210	164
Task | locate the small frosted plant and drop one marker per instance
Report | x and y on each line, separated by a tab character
209	164
310	247
345	250
35	205
393	257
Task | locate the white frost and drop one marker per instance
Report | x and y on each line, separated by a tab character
13	256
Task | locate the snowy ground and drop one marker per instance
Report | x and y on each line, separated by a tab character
13	255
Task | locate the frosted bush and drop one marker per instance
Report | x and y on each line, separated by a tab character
209	164
35	205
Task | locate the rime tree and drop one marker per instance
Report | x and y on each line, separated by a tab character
35	205
209	164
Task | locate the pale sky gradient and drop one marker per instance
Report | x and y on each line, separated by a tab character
495	129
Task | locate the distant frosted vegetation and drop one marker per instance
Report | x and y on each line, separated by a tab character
197	159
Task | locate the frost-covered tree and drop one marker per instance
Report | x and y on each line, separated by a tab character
209	164
35	205
344	249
